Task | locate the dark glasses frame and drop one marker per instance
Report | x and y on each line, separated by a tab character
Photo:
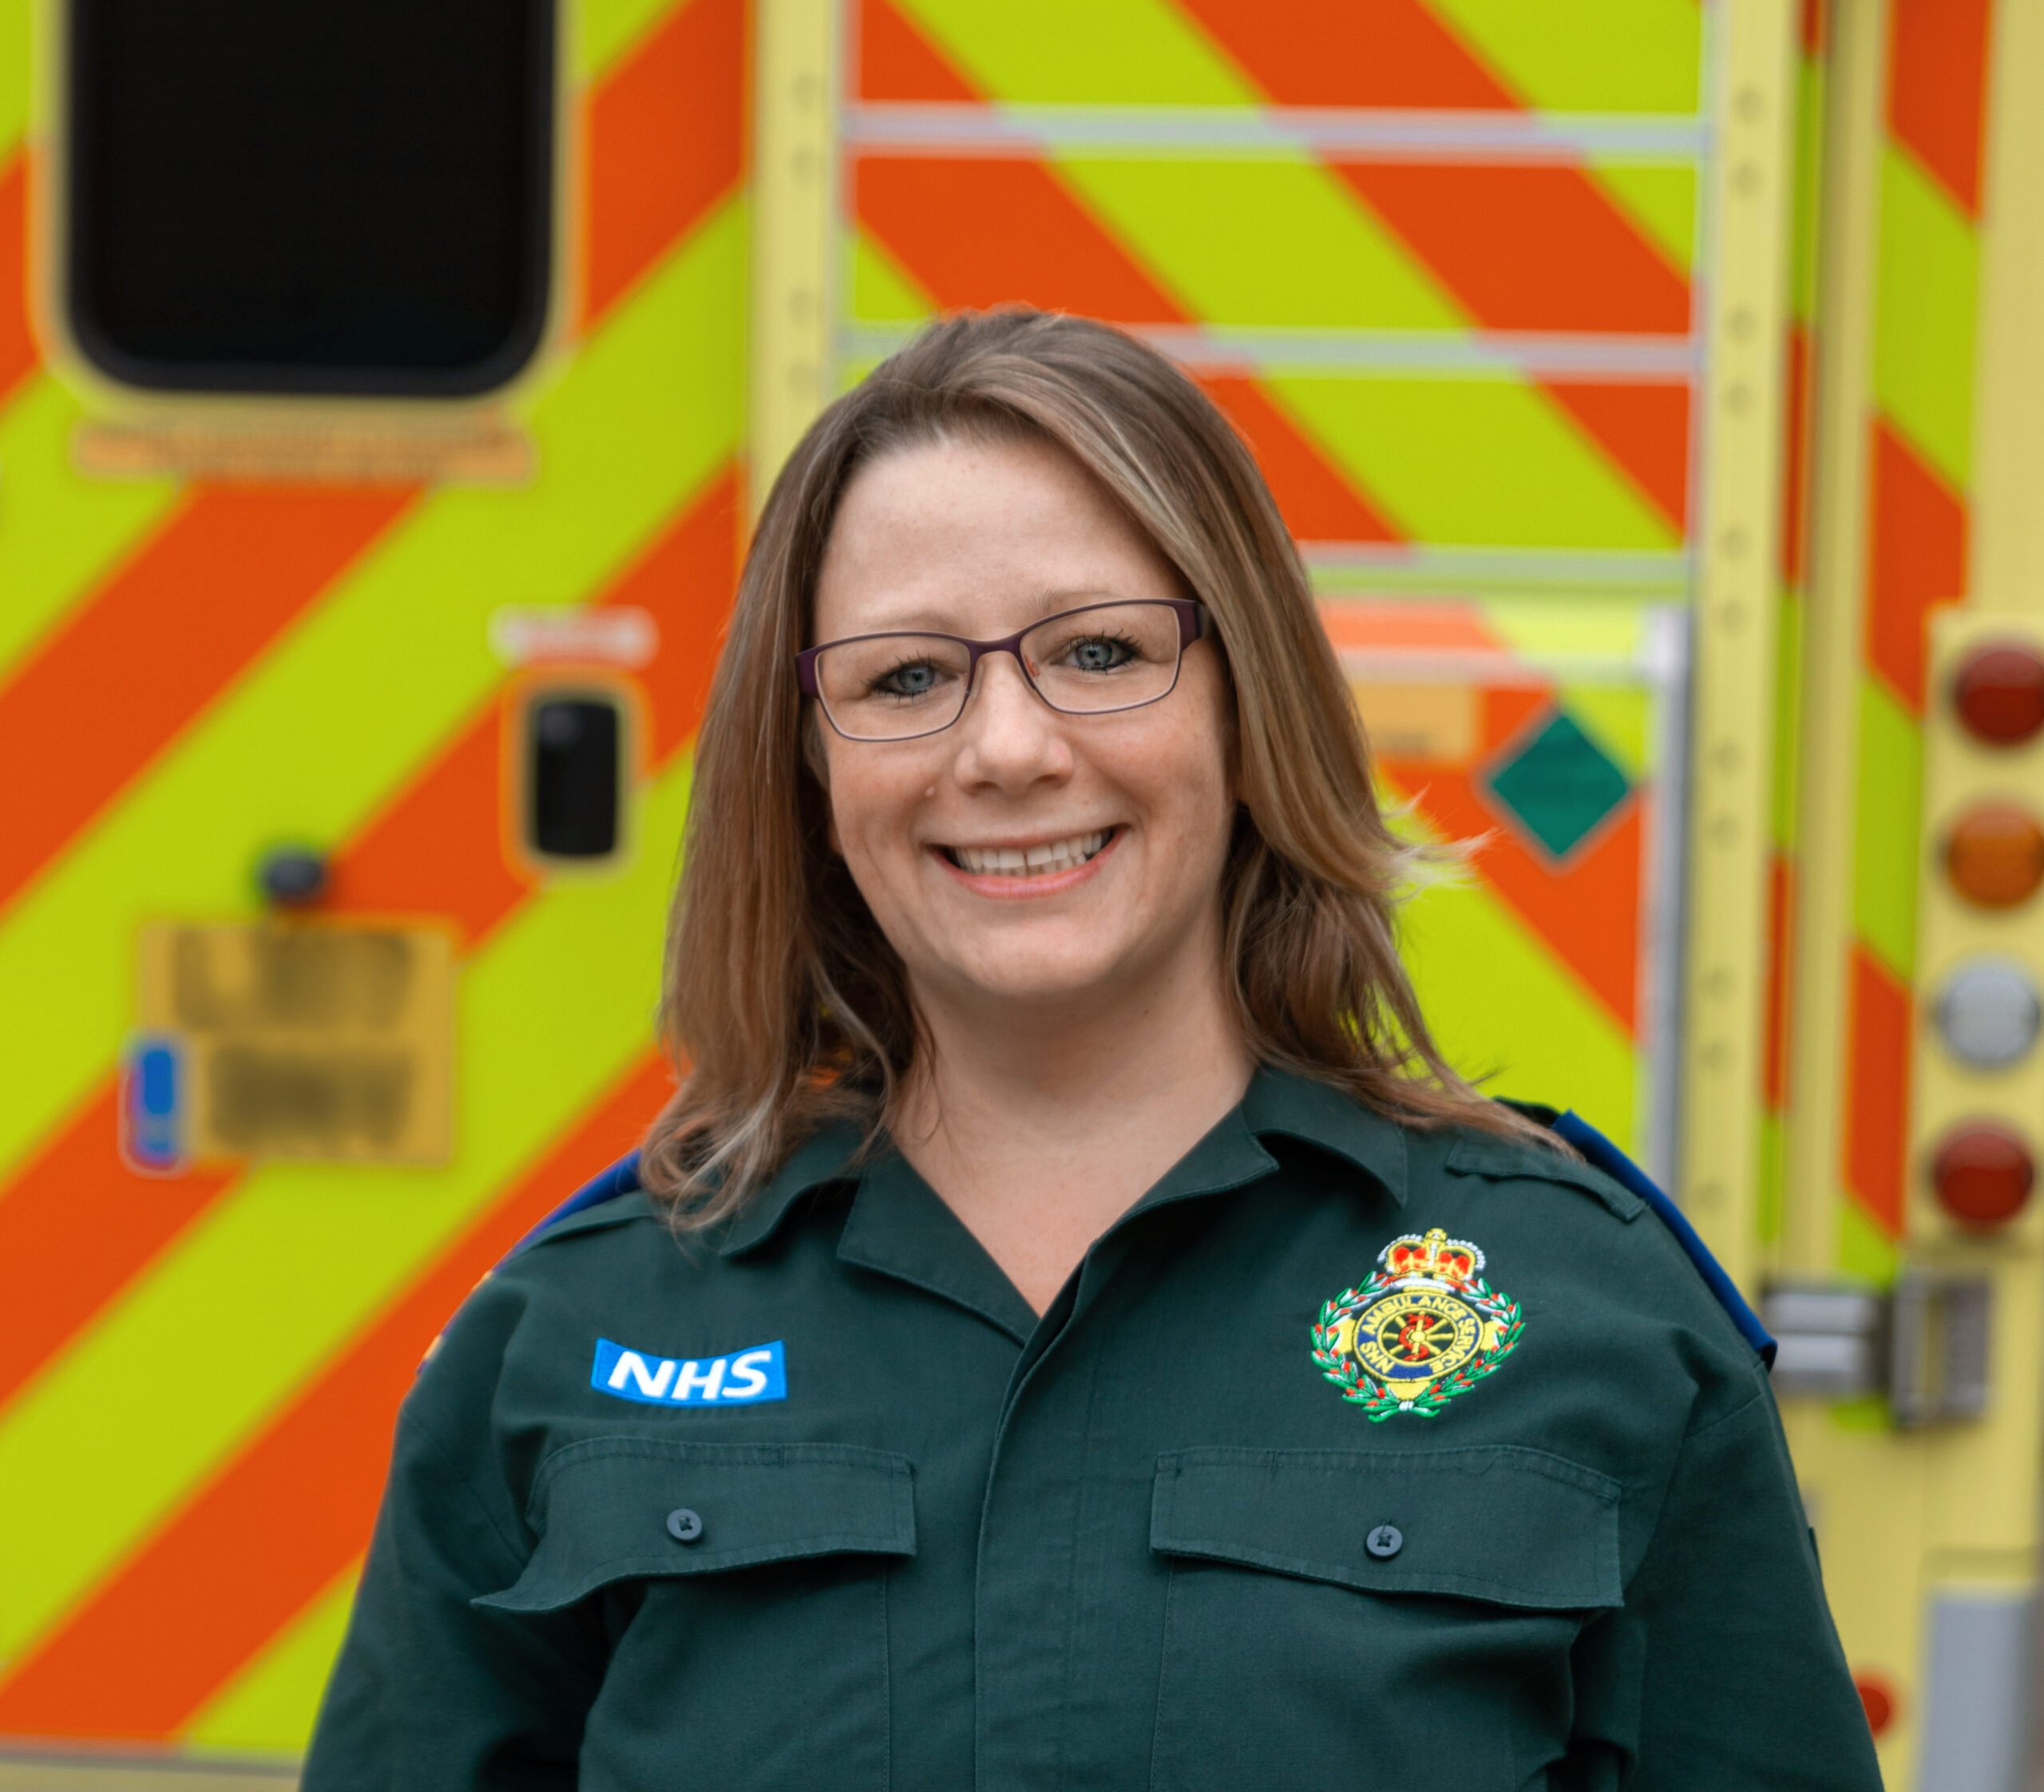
1194	624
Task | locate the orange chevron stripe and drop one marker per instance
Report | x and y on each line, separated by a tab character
1524	247
1527	247
126	674
1781	893
1060	257
436	850
19	353
1918	561
1937	95
1645	428
294	1506
897	62
666	141
980	233
1317	506
1878	1030
128	669
1586	913
1048	251
76	1224
1393	53
687	578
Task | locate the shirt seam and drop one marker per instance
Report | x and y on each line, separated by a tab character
520	1558
1710	1425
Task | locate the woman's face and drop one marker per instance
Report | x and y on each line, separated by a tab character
980	541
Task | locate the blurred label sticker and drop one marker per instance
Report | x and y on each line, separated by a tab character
153	1104
292	1038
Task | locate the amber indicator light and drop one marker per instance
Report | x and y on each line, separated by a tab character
1999	694
1983	1174
1994	855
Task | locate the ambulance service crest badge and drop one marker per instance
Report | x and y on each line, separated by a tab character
1424	1328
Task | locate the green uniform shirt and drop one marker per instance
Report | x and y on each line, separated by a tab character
821	1502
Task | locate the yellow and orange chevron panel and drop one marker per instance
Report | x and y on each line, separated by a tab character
1437	268
195	672
1473	319
1920	447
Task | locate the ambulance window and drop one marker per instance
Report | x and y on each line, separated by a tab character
574	772
321	197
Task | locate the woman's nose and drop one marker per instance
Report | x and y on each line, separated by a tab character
1008	735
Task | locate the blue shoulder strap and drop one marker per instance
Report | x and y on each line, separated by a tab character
1607	1157
621	1178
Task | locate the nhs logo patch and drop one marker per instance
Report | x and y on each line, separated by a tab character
742	1379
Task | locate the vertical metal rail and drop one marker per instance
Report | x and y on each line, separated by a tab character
1733	703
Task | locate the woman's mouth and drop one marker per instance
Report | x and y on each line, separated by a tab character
1045	860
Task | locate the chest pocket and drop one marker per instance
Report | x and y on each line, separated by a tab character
746	1586
1373	1618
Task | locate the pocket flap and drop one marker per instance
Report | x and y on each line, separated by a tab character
602	1508
1511	1525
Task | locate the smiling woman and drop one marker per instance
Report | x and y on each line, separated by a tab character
1050	1337
990	564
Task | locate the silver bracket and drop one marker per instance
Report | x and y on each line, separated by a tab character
1924	1345
1938	1361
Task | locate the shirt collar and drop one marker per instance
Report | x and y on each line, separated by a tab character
1277	1103
829	1155
1300	1107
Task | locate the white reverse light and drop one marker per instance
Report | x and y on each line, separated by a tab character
1988	1012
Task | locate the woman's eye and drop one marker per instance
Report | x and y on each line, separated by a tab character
1098	655
915	680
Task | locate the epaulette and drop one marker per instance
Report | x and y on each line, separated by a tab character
1598	1150
621	1178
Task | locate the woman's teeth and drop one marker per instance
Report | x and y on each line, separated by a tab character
1029	861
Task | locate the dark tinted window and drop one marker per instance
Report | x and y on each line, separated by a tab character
573	772
311	196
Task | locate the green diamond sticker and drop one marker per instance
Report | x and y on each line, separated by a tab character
1559	784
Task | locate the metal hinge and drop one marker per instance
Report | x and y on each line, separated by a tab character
1923	1346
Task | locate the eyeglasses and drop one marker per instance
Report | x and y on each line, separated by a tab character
1091	661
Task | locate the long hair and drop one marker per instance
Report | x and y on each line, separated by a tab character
783	1004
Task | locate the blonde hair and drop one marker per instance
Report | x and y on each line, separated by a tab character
785	1007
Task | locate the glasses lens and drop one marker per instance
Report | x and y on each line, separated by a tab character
891	686
1113	656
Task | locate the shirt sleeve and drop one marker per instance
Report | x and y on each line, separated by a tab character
430	1695
1722	1671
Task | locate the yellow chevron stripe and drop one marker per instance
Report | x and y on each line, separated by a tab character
1272	241
1589	55
17	35
599	34
882	290
59	533
1502	1006
1658	199
266	1287
268	1707
1083	52
1475	461
380	672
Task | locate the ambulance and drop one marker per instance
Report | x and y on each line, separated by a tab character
385	389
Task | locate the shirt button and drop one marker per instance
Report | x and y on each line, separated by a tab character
684	1526
1385	1542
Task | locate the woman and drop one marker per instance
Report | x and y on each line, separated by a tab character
1072	1328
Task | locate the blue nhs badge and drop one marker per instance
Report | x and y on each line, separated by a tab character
742	1379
